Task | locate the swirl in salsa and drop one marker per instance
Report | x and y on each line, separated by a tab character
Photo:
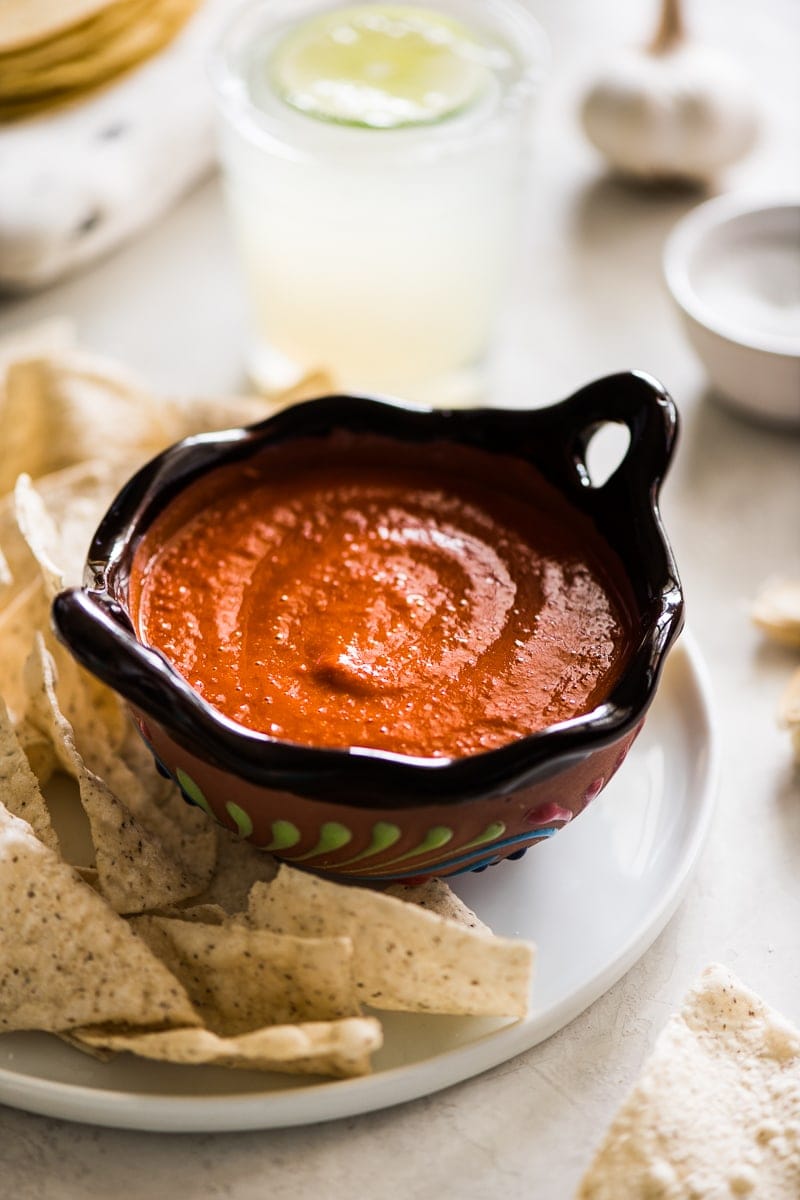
354	591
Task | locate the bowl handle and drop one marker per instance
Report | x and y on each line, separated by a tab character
94	630
639	402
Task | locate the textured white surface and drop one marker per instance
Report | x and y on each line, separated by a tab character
78	181
589	300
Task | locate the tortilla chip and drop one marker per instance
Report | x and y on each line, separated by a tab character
95	1052
136	870
65	958
69	408
776	611
57	516
716	1111
19	567
38	751
32	21
436	896
23	419
406	959
95	714
187	832
39	531
337	1048
62	510
242	979
143	861
19	787
89	53
239	865
19	621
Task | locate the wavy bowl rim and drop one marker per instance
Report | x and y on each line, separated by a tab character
400	780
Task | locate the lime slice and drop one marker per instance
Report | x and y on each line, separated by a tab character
381	66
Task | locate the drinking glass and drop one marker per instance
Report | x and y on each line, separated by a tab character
381	254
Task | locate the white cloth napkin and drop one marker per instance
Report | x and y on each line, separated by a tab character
76	182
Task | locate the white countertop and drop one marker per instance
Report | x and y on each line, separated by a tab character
589	301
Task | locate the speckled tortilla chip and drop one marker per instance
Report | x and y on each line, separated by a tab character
23	413
57	514
239	865
337	1048
139	865
38	751
95	714
241	979
136	870
76	407
716	1112
23	419
19	621
65	958
405	958
90	731
39	531
19	566
19	787
437	896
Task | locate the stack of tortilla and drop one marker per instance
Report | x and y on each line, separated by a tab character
55	51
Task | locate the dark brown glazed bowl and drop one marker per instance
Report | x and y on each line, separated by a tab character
364	813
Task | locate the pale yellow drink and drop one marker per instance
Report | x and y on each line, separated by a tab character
372	155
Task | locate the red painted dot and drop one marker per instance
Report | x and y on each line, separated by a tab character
547	813
594	788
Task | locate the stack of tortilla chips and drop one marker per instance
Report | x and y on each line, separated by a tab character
128	920
55	51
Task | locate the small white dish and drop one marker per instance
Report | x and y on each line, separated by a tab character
733	268
593	899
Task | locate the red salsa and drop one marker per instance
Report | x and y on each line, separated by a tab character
355	591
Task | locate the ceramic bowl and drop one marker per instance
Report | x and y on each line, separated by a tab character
734	272
367	813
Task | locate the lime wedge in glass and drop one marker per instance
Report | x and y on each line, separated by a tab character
381	66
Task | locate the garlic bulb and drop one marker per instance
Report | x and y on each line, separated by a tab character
672	110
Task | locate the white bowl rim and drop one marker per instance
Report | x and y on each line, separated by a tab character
689	233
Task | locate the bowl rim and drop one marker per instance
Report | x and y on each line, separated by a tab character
686	238
95	625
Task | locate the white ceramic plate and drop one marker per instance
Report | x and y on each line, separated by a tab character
593	899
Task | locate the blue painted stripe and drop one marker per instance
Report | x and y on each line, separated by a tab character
472	859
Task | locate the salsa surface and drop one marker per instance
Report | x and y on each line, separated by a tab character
353	591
